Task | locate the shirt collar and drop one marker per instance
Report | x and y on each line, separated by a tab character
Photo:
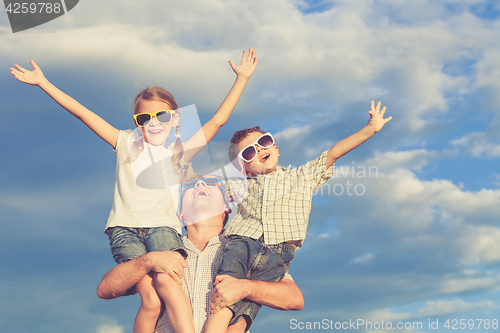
216	240
277	171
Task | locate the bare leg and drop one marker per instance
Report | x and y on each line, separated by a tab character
239	327
218	322
145	321
177	306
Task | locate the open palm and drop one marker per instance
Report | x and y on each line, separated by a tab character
34	77
377	120
247	65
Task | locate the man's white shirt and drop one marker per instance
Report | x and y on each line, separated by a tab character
197	283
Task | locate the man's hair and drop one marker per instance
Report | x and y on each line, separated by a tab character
234	149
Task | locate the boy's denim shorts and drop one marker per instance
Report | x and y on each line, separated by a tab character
247	258
130	243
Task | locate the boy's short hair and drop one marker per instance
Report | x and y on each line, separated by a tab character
234	149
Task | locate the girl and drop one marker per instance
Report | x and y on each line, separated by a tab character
141	219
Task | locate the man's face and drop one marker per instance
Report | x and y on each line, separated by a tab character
202	199
266	160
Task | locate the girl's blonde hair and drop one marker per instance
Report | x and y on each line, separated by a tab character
162	95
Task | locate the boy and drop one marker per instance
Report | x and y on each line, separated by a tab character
272	218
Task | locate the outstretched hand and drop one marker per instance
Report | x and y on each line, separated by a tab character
247	65
34	77
377	120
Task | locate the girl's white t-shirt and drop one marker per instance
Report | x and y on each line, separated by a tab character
146	188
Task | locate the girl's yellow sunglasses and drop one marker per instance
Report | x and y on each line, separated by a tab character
163	117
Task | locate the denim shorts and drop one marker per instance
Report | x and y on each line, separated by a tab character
130	243
247	258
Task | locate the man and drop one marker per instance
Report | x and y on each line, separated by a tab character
204	212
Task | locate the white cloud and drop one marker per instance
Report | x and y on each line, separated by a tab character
430	310
478	144
387	315
126	51
292	133
110	329
480	244
433	229
488	69
418	199
468	281
437	308
314	69
352	55
364	259
408	159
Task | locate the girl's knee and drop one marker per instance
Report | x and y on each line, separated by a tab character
151	305
151	302
164	281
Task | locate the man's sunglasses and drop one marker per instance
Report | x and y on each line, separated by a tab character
248	153
163	117
211	181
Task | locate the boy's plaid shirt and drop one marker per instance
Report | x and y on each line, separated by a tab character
276	205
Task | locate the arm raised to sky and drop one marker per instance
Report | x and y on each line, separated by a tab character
375	124
243	72
98	125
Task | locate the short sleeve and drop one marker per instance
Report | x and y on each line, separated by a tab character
316	172
236	189
121	141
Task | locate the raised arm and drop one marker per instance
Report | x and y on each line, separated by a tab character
375	124
118	280
35	77
208	131
282	295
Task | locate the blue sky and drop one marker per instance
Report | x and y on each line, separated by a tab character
418	242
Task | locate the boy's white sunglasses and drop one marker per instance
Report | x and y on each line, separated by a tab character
248	153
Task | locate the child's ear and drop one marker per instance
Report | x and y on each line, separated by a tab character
278	150
175	119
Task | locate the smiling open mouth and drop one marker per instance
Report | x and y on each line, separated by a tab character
201	192
154	132
265	157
